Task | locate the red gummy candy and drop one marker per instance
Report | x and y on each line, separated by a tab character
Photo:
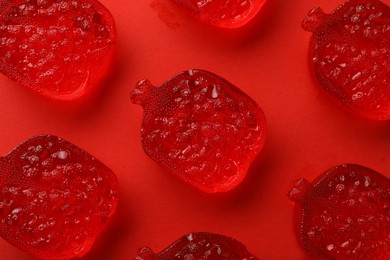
344	214
60	49
201	128
200	245
222	13
55	199
350	55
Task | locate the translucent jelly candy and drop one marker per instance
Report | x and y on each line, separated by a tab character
200	245
344	214
201	128
350	55
55	199
60	49
222	13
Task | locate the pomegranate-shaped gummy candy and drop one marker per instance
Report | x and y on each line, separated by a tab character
222	13
200	245
201	128
350	55
55	199
59	49
344	214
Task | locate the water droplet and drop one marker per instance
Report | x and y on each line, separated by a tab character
330	247
16	211
67	209
80	237
41	227
345	244
33	158
340	187
367	181
351	202
214	93
357	75
357	95
32	219
62	155
51	222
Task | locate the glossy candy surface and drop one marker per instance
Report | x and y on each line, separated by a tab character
60	49
201	128
344	214
350	55
200	245
222	13
55	199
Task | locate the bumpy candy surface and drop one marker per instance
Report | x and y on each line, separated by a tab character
201	128
60	49
55	199
222	13
200	245
344	214
350	55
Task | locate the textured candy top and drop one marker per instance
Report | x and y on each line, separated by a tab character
200	245
222	13
344	214
57	48
54	198
351	55
201	128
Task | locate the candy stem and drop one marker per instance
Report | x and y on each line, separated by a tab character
142	92
299	191
313	20
145	253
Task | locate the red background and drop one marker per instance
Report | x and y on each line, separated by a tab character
307	132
